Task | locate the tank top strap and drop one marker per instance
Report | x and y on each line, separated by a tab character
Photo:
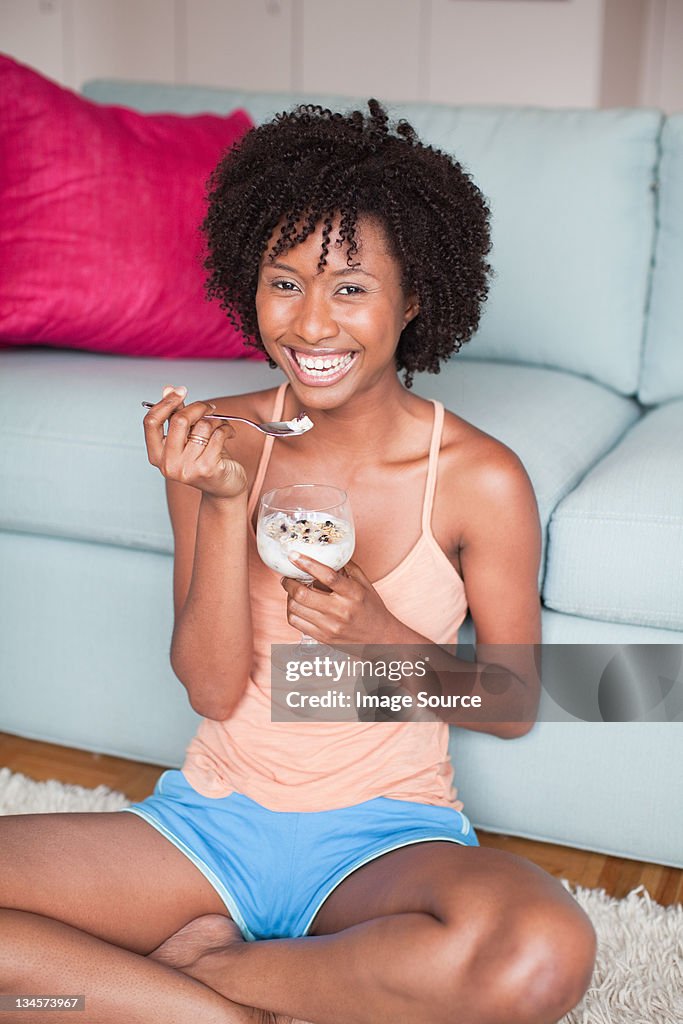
278	406
430	486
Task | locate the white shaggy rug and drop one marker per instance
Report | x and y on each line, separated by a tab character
638	977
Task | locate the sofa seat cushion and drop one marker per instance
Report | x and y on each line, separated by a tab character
616	542
612	787
75	463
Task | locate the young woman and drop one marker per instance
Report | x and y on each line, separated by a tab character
320	870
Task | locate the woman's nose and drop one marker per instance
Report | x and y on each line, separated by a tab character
314	321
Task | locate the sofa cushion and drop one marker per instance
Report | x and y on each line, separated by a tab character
615	549
99	223
611	787
662	370
73	456
573	217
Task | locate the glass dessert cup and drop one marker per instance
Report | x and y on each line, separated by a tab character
307	519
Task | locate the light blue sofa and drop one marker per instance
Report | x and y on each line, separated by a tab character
577	366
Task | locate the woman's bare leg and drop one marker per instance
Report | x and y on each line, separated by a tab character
85	898
41	956
429	934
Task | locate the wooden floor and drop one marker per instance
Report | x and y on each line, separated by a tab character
42	761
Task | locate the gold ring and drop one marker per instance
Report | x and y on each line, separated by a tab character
197	439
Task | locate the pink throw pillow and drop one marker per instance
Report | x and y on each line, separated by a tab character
100	207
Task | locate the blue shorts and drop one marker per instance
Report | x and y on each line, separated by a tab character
275	869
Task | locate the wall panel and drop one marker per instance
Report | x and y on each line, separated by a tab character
361	49
623	52
516	52
32	31
122	39
235	43
671	81
539	52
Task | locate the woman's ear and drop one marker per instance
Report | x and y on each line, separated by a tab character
412	308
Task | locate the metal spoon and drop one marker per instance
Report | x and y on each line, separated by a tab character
281	428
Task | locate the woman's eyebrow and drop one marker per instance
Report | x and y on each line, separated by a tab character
335	273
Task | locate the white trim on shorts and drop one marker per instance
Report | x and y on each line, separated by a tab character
210	875
373	856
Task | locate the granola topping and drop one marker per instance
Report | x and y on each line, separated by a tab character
285	528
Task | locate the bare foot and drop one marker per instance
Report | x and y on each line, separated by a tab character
189	949
207	934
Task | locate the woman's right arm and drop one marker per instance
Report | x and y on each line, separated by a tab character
211	648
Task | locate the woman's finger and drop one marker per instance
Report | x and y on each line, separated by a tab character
214	433
205	453
354	571
312	626
153	422
216	465
303	597
336	581
209	454
185	422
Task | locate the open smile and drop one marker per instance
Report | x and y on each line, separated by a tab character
320	367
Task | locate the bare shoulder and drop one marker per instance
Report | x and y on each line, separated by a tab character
489	498
479	473
481	485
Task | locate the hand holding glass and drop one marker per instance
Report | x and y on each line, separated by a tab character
307	519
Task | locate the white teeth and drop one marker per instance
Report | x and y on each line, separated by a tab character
319	366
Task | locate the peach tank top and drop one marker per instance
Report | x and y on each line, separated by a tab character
314	766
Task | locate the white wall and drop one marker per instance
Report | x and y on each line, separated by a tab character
580	53
493	51
662	73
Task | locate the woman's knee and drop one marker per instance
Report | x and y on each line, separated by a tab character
545	964
534	964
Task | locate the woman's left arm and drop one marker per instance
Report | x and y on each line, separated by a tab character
500	557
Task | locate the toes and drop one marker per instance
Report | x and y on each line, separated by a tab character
204	934
218	930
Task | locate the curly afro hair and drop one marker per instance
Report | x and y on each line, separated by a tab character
307	166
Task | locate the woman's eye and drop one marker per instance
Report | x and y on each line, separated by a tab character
289	286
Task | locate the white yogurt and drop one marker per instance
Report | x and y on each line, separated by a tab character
300	424
281	534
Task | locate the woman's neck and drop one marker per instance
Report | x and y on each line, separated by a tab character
366	423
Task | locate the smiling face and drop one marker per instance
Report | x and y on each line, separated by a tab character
335	332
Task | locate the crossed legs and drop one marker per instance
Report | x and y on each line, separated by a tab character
426	934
